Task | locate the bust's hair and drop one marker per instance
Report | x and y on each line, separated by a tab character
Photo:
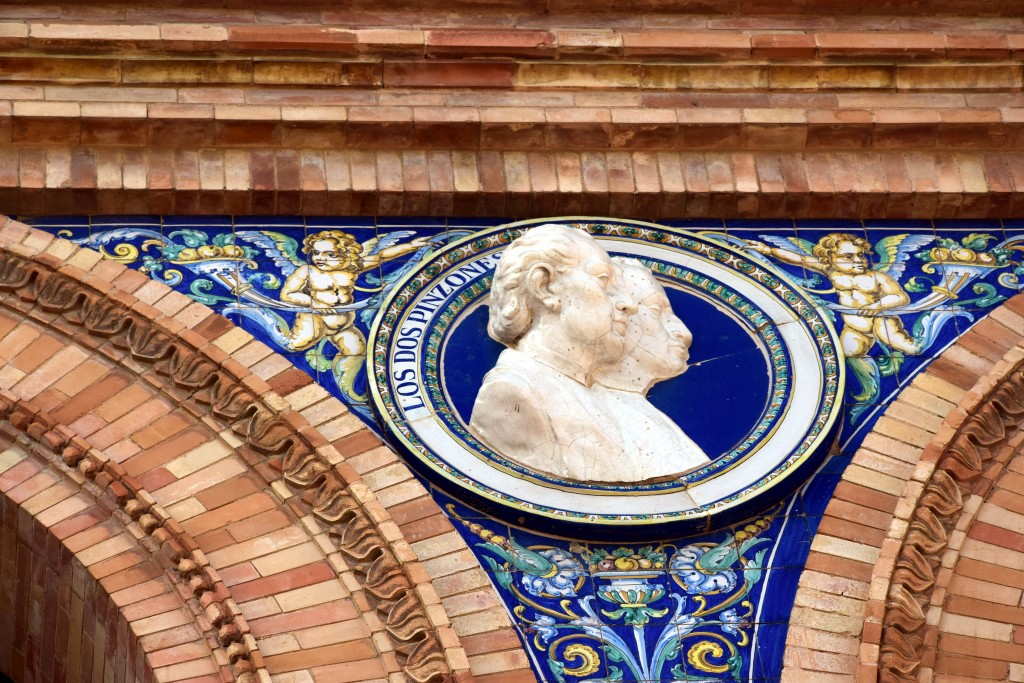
549	244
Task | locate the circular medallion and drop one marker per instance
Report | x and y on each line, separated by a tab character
761	397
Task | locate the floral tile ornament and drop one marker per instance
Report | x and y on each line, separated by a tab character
682	612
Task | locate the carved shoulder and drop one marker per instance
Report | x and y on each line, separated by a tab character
509	417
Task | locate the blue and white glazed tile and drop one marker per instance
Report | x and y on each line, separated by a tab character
623	640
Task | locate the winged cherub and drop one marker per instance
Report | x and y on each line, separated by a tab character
867	295
337	259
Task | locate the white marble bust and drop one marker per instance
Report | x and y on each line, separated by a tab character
657	348
570	316
556	304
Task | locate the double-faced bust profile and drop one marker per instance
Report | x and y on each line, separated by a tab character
586	337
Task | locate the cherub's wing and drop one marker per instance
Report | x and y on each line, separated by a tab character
894	251
281	249
378	244
100	239
388	280
803	246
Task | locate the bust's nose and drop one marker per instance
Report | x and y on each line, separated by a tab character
625	303
680	331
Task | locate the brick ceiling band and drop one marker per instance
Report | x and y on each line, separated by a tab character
644	110
276	442
653	185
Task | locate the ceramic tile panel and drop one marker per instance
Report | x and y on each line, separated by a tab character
712	606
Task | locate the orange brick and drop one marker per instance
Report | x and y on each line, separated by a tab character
227	491
491	641
327	613
526	43
437	74
321	656
997	536
984	648
882	43
43	348
830	564
851	531
292	38
166	450
977	45
285	581
19	474
686	43
973	666
258	524
783	45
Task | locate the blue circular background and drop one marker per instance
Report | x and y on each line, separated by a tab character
716	402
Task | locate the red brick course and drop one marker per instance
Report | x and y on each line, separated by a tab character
779	184
495	35
306	109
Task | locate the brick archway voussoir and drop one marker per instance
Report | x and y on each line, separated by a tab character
891	533
96	581
189	371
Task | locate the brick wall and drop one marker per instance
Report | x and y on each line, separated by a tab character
911	574
666	109
641	112
68	572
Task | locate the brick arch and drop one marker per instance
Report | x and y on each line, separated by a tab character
92	571
871	600
256	489
974	624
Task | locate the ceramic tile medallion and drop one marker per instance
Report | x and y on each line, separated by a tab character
762	357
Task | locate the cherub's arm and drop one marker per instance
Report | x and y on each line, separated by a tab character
388	253
293	291
892	294
786	256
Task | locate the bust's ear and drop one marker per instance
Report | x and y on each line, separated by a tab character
538	283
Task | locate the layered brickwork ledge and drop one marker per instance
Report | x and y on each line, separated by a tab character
911	571
662	184
495	36
647	113
518	11
298	543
